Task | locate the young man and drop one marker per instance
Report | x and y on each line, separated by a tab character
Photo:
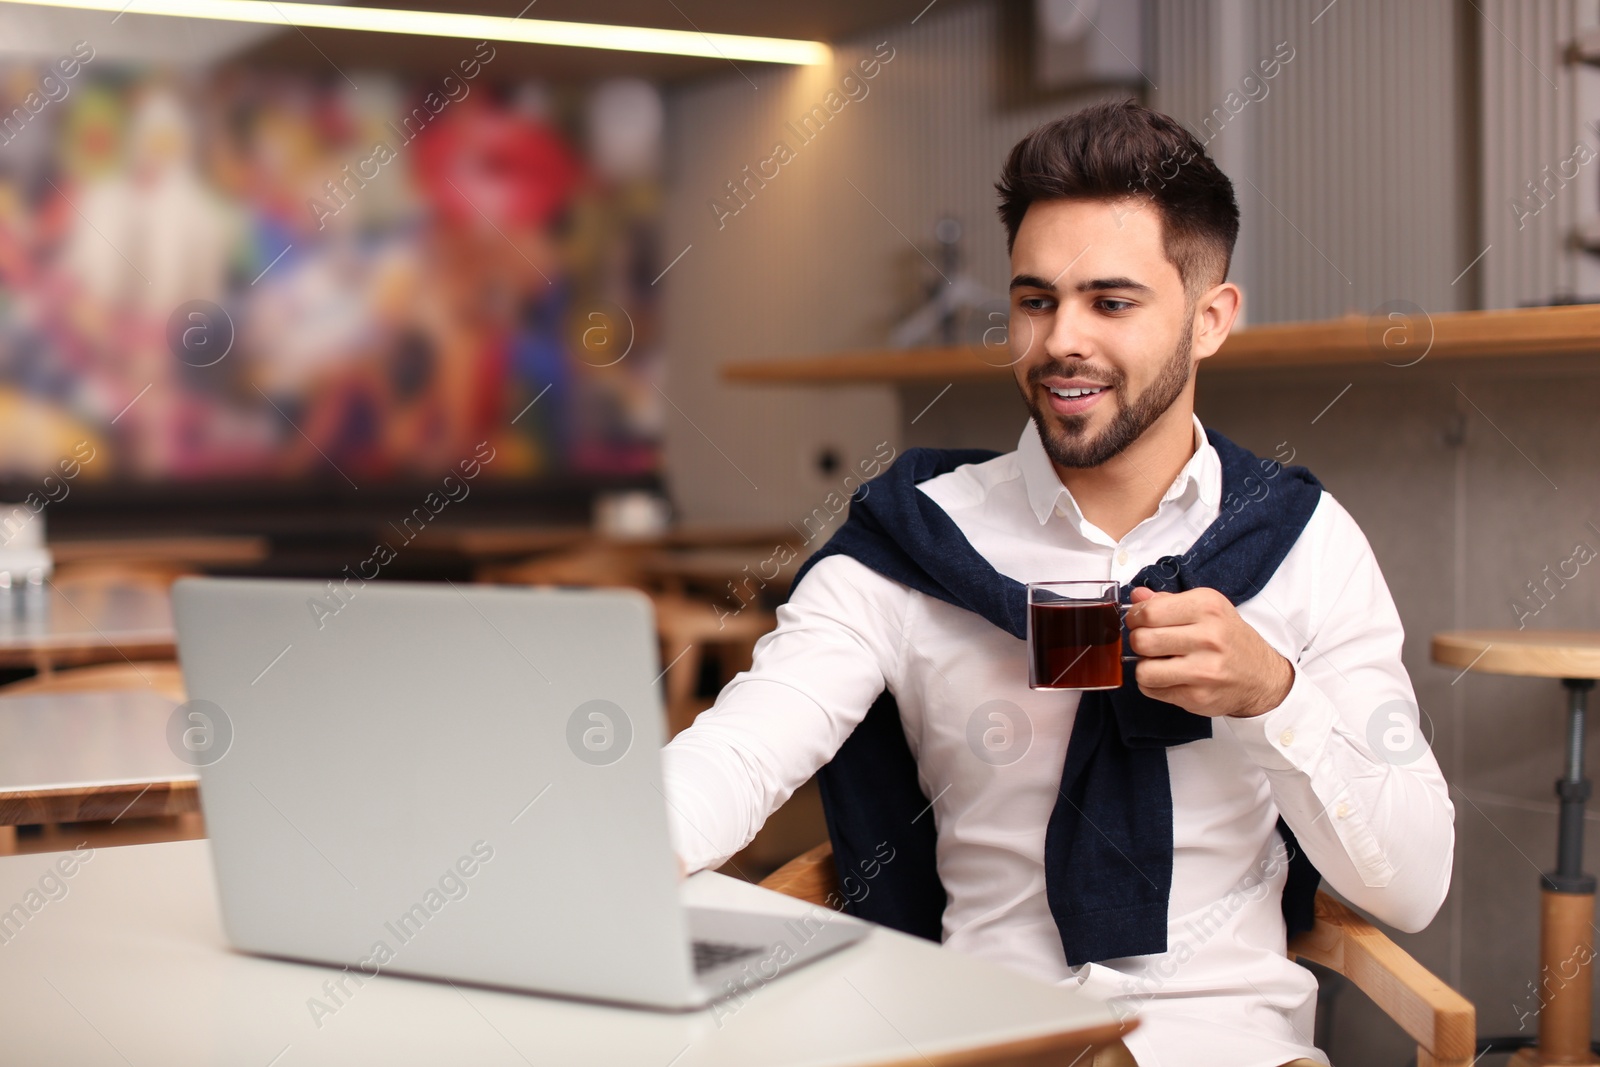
1284	720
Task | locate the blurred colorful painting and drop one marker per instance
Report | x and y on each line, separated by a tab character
250	275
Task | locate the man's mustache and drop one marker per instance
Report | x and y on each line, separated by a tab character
1064	370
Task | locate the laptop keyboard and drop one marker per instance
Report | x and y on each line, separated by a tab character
709	954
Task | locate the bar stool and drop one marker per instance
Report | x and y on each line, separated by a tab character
1567	894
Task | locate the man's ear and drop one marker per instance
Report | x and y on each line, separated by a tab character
1214	315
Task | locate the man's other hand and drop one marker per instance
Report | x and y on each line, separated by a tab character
1198	653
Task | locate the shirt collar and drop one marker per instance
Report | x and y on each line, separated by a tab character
1045	491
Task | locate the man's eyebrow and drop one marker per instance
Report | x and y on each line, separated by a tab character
1031	281
1092	285
1095	285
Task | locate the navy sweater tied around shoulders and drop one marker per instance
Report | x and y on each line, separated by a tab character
1108	845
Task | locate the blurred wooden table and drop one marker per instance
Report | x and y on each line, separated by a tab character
485	543
60	624
94	755
1566	919
185	551
745	570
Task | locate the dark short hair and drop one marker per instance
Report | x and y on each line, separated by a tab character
1120	149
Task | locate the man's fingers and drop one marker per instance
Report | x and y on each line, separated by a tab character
1166	640
1177	609
1139	603
1166	609
1167	679
1154	675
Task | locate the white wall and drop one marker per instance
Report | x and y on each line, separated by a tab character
822	258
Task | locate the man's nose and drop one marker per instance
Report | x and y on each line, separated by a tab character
1066	338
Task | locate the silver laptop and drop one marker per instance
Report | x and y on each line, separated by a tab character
459	782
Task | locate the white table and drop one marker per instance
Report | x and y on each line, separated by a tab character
131	967
65	623
89	755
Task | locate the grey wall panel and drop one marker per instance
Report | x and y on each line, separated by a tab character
1531	124
1354	192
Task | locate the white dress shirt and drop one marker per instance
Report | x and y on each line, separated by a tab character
1339	759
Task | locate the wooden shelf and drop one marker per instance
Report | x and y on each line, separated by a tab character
1355	339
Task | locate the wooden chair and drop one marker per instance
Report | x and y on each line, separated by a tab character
1440	1020
687	625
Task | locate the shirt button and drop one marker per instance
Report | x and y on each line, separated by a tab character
1122	558
1341	811
1286	738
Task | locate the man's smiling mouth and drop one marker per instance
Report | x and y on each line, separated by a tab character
1067	400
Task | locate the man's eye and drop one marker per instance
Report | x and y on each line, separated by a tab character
1034	303
1114	305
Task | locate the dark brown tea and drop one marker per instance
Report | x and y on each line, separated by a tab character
1075	646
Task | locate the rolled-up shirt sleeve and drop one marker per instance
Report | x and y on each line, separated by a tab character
1347	752
837	645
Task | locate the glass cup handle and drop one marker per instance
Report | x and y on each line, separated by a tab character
1122	616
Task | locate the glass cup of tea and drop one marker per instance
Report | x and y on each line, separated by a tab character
1075	635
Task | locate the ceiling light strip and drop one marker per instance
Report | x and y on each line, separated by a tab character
475	27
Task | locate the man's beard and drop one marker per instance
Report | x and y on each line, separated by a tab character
1067	446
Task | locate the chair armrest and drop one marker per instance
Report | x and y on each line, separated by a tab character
1438	1018
810	876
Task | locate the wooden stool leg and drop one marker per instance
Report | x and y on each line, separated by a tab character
1566	948
1566	917
8	840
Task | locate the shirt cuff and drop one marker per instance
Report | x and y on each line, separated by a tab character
687	824
1291	736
